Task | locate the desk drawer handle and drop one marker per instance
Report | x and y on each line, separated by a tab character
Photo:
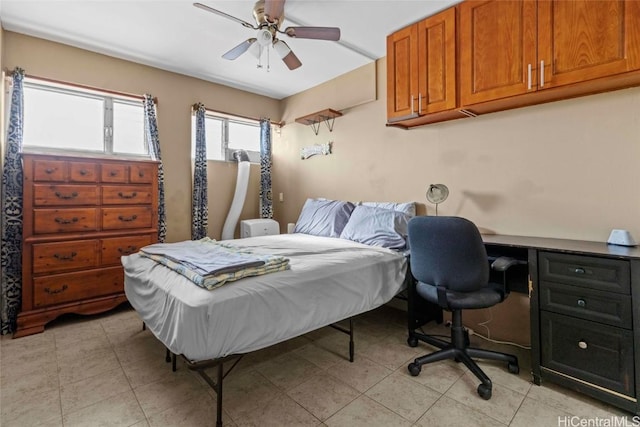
113	173
59	195
128	250
66	221
65	257
56	291
127	218
127	196
582	345
579	270
141	174
582	303
83	172
49	171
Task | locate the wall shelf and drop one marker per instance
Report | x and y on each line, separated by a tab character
328	116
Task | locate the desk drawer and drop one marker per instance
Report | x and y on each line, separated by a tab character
61	288
605	274
595	353
114	248
83	172
64	256
126	195
590	304
121	218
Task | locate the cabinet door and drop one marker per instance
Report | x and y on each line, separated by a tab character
497	46
402	72
437	63
584	39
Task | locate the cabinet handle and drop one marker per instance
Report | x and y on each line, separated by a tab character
127	218
419	103
140	174
65	257
113	173
411	104
128	250
582	344
582	303
130	196
529	77
50	170
59	195
541	73
66	221
56	291
579	270
83	172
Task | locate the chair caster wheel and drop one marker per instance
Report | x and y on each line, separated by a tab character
412	341
514	368
414	369
484	391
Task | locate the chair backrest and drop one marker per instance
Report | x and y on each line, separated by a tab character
448	252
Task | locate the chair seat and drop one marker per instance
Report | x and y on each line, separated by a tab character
482	298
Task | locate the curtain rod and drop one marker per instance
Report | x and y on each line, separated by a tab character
194	107
81	86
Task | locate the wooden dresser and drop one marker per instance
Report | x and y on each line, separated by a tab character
80	216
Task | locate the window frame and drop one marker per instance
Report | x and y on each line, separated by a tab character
108	99
225	119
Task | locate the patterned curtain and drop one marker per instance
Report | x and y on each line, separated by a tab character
11	285
151	135
266	202
199	211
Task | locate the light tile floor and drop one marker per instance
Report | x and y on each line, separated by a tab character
105	371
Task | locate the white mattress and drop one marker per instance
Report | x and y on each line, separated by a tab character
330	280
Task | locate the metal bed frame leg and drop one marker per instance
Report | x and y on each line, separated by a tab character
167	357
219	396
144	326
173	362
351	344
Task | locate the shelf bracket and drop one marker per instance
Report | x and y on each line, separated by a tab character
328	116
314	125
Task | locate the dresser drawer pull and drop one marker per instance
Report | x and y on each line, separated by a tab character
56	291
65	257
127	218
128	250
141	174
64	221
113	173
582	303
59	195
582	345
127	196
84	172
49	171
579	270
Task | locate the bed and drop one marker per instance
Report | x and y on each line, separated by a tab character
343	261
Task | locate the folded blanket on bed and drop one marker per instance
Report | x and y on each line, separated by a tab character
210	264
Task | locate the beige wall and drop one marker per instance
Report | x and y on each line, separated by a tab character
567	169
176	94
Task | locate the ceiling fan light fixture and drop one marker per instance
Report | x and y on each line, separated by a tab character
265	37
281	48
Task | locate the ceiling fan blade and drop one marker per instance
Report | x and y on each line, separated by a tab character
320	33
273	9
225	15
239	50
286	54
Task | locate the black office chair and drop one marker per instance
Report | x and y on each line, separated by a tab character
450	264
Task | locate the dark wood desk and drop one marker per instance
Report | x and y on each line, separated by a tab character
585	316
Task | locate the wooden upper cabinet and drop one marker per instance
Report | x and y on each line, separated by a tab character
582	40
402	72
497	49
421	67
437	62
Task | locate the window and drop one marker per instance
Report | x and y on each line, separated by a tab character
227	134
60	117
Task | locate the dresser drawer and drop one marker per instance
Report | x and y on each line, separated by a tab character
126	195
605	274
66	256
61	288
125	217
114	248
114	173
83	172
64	220
48	170
143	173
600	306
63	194
595	353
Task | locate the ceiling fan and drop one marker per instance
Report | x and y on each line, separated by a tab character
269	15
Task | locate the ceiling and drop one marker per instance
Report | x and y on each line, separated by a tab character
176	36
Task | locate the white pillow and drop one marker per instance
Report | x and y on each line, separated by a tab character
321	217
377	227
409	208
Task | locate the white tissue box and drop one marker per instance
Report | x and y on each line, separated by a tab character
258	227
